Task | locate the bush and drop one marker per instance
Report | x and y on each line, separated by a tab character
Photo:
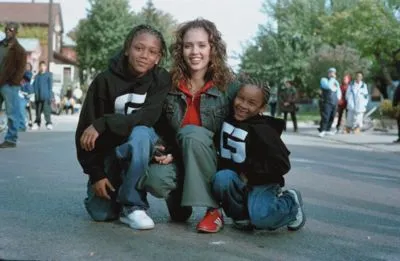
388	109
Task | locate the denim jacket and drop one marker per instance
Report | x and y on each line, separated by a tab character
214	108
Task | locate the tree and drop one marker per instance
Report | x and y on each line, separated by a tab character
164	22
282	48
102	33
304	31
371	27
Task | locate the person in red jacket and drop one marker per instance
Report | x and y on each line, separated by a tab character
342	105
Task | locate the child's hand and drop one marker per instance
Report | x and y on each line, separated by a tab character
161	158
88	138
101	187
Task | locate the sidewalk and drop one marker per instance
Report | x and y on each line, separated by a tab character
61	123
377	140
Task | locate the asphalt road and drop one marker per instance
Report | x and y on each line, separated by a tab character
351	195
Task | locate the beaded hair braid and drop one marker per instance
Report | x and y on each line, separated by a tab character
259	84
143	28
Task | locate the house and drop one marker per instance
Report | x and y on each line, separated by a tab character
34	23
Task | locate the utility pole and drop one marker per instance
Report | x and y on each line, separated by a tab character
50	33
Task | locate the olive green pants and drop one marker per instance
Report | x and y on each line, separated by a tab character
199	160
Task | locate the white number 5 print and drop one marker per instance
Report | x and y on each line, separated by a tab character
234	149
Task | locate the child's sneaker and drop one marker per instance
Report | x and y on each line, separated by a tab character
137	219
35	126
243	225
49	126
300	216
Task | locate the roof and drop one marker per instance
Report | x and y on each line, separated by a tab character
68	42
28	13
29	44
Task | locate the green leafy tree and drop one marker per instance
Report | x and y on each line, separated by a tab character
282	48
102	33
164	22
371	27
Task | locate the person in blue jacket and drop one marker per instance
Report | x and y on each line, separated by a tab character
331	94
43	89
24	95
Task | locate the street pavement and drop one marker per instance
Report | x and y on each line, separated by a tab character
350	187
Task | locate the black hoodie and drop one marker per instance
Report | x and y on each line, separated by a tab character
116	102
254	148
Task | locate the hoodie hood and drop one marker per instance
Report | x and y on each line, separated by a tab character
119	65
277	124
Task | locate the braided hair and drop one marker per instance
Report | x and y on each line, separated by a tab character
144	28
262	85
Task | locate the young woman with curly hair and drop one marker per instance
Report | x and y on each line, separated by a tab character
192	115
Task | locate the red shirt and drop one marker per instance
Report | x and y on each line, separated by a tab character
192	114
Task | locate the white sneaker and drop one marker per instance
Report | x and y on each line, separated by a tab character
138	219
322	134
300	216
49	126
331	133
35	126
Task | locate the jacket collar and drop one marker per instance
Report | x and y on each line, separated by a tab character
213	91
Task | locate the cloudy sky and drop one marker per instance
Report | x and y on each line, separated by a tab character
237	20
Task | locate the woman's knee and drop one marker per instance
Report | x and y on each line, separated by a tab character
159	180
195	133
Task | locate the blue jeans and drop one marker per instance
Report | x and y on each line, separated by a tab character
22	113
124	167
262	205
11	99
328	112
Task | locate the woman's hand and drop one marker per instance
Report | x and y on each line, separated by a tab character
88	138
163	159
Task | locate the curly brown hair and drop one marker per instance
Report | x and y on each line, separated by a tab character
218	70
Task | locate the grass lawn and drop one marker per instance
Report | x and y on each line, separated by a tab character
306	116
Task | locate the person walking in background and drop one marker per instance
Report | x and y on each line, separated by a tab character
342	104
43	89
396	103
287	103
357	100
273	100
331	94
12	67
24	95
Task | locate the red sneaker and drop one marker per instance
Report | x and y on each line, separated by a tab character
212	222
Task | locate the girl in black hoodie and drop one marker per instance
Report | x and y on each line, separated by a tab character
114	138
253	160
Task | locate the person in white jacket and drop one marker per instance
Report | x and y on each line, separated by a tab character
357	100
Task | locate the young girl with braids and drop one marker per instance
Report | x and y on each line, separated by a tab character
114	138
252	162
